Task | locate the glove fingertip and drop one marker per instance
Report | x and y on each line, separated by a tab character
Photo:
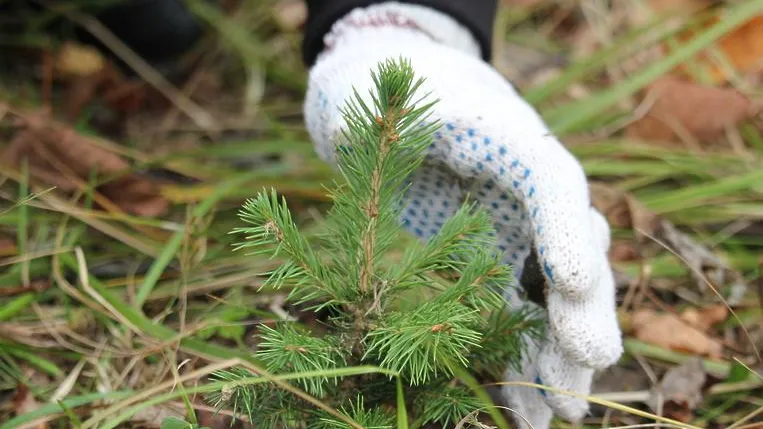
586	330
572	381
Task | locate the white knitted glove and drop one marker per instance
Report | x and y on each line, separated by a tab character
494	146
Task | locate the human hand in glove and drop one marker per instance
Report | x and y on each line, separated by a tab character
495	147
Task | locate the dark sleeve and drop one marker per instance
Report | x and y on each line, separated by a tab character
476	15
158	30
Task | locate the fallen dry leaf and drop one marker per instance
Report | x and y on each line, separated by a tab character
7	247
742	48
214	420
680	391
705	318
622	251
684	6
622	210
127	96
683	111
669	331
24	402
61	157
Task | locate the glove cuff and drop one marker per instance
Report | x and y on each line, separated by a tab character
408	18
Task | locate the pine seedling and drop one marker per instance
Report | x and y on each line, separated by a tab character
438	306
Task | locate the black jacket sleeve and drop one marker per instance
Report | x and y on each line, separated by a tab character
476	15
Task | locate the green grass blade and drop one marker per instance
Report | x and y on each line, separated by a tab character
22	233
402	413
16	305
579	69
126	413
572	116
33	359
700	194
173	245
719	369
52	409
158	331
470	382
73	418
752	135
80	229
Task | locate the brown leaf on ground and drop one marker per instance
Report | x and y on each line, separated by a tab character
685	6
61	157
680	391
705	318
7	246
669	331
683	111
742	48
126	96
214	420
24	402
622	251
622	210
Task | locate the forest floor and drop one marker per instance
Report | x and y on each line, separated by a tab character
122	284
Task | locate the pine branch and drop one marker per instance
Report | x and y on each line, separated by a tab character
415	343
481	281
505	335
273	225
284	348
465	245
386	142
466	230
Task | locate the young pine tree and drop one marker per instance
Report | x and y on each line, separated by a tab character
437	308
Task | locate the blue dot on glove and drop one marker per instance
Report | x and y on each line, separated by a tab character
538	380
